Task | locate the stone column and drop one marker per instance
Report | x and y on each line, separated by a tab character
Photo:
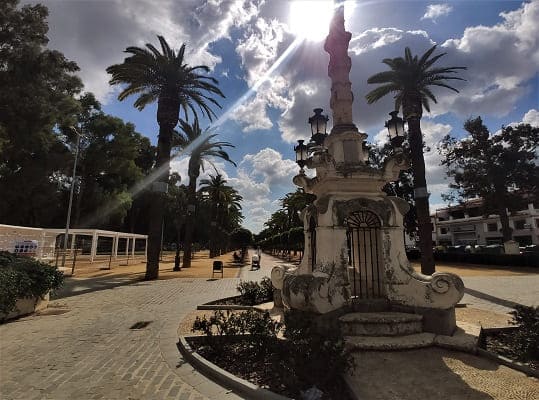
339	70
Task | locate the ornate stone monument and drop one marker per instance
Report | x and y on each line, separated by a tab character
354	257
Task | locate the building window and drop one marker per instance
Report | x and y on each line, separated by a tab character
457	214
475	212
519	223
443	231
537	222
492	227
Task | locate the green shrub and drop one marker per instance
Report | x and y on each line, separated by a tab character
259	329
252	293
308	356
315	353
24	277
525	340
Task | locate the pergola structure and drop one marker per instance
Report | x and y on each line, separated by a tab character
46	239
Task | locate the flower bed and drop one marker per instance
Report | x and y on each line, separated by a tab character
518	343
250	294
251	345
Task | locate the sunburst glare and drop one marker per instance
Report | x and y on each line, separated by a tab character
309	19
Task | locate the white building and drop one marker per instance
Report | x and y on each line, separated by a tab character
466	224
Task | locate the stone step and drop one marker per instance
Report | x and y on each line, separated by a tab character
370	305
389	343
380	324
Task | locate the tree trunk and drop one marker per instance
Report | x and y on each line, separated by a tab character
167	118
420	191
507	232
177	256
188	242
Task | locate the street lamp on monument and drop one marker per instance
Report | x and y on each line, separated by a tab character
301	155
319	125
395	127
306	152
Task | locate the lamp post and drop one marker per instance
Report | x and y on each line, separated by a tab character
66	234
395	127
319	124
301	155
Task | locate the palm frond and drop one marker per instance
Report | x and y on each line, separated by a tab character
381	91
426	56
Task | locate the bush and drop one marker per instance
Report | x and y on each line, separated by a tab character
252	293
315	355
259	329
308	356
525	340
517	260
24	277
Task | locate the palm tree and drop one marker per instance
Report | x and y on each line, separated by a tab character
409	80
225	207
199	155
163	76
293	203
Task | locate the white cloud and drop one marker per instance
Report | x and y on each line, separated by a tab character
379	37
269	165
252	115
531	117
262	178
96	34
435	11
433	133
501	60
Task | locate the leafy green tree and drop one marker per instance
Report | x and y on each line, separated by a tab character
502	169
403	187
165	78
201	153
37	94
293	203
410	80
241	238
107	167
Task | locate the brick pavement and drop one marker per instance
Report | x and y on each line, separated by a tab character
501	293
89	352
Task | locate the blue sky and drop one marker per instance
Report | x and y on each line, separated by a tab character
242	39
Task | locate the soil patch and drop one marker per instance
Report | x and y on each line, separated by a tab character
241	359
502	343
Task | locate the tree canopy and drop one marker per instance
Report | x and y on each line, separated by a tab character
500	168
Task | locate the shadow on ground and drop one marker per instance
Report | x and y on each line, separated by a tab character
434	373
78	286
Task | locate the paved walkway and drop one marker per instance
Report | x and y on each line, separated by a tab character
501	293
83	347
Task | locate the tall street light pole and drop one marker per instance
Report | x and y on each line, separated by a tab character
66	234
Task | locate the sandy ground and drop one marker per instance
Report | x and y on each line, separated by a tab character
435	373
479	270
201	267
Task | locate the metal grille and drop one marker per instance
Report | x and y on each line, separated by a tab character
363	237
312	237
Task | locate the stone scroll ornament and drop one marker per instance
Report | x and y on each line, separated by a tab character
325	290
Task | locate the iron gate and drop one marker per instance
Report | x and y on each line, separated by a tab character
312	238
364	254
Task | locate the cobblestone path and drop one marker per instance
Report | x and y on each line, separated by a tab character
90	352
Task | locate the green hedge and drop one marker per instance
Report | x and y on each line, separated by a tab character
517	260
24	277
